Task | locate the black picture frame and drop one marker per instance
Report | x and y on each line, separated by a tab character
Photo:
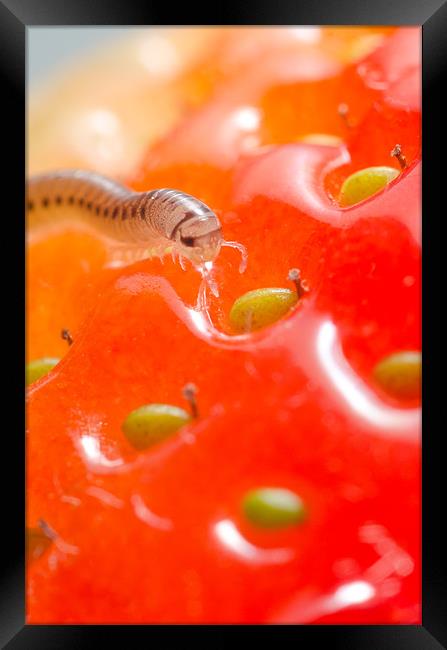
15	17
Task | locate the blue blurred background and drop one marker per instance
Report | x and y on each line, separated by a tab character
49	48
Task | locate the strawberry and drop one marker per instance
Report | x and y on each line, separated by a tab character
162	534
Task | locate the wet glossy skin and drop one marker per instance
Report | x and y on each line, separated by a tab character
293	405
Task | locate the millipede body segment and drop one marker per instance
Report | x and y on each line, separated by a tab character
152	220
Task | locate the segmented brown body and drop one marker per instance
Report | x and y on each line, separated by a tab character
152	219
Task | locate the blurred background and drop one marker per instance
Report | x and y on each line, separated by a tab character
100	97
50	48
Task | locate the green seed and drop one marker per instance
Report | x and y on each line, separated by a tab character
153	423
38	368
261	307
400	374
270	507
365	183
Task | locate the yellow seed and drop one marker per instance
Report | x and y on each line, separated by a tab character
152	423
261	307
324	139
38	368
364	183
271	507
399	375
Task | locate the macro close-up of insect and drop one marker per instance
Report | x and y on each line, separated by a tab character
138	225
223	340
